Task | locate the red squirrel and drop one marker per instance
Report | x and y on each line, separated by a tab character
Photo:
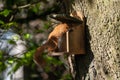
52	42
67	22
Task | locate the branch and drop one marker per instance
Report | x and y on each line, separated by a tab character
24	6
28	5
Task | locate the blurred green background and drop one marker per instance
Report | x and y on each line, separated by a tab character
29	19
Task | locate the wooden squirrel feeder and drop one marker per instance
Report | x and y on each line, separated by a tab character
73	42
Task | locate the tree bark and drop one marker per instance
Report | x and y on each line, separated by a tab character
102	59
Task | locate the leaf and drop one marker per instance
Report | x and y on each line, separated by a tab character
52	60
10	61
40	31
66	77
46	26
16	67
2	66
8	25
11	42
15	37
1	22
5	13
27	36
49	58
35	8
1	55
28	57
12	24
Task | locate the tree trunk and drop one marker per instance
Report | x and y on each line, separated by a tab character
102	59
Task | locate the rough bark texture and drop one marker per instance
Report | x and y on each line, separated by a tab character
102	60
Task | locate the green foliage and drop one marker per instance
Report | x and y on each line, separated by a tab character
5	12
8	25
28	57
11	9
1	55
66	77
27	36
52	60
47	25
11	41
2	65
40	31
36	8
1	22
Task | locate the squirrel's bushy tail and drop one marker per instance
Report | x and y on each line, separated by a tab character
51	44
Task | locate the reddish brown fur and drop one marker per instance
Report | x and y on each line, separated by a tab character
51	43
